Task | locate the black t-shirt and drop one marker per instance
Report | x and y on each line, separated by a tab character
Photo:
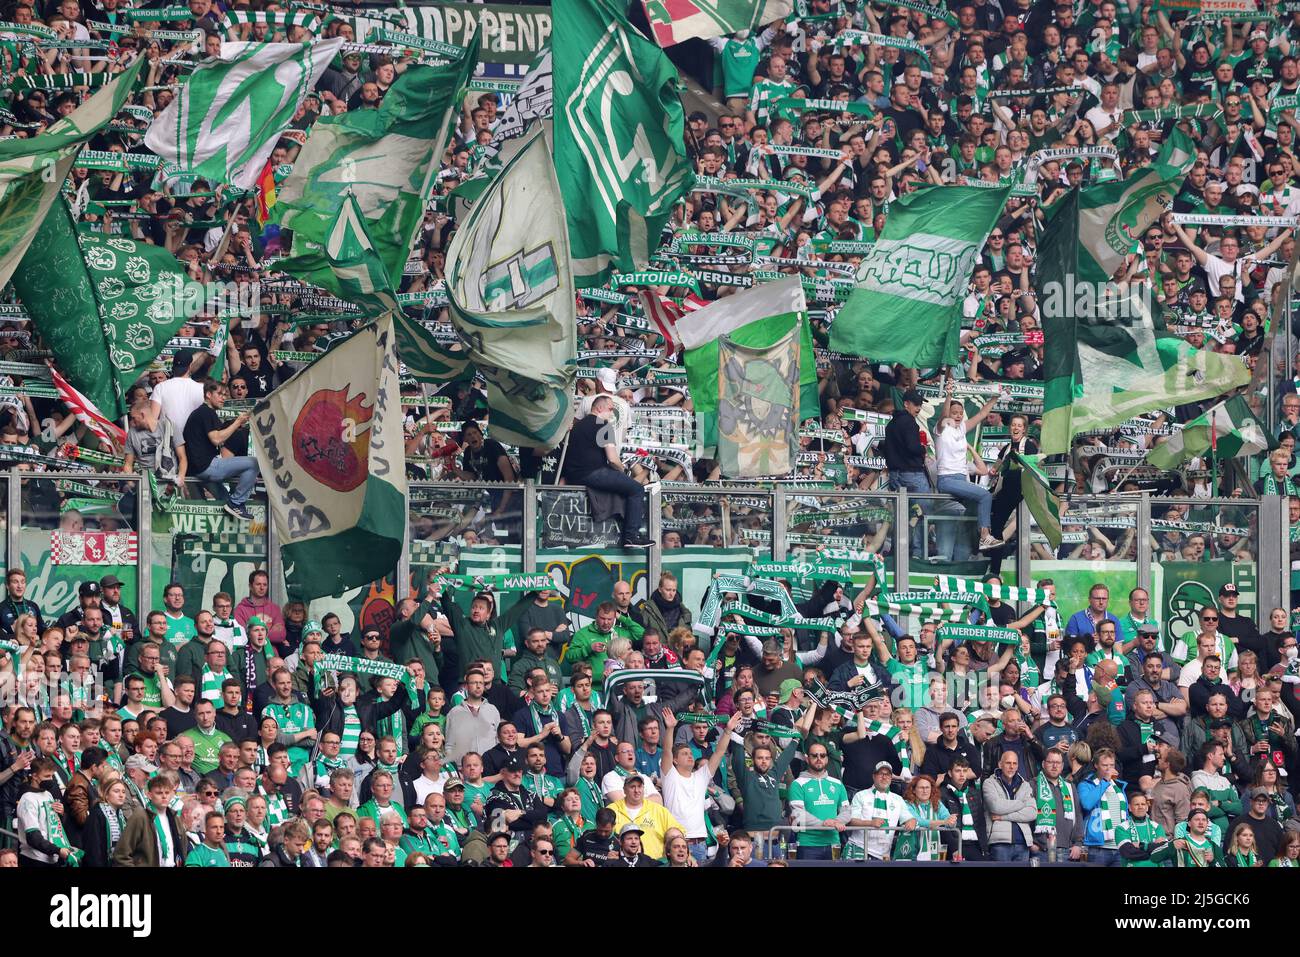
199	449
592	847
586	454
483	463
1240	628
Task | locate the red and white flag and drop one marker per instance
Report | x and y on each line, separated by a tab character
87	412
664	313
676	20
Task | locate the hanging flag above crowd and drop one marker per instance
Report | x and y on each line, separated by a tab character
512	300
332	437
676	20
906	306
619	138
224	122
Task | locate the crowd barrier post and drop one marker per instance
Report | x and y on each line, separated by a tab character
780	520
772	834
655	530
13	518
1144	556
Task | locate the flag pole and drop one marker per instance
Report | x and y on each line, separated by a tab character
1214	454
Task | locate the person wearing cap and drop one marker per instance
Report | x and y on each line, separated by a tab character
512	806
117	615
880	811
1192	846
653	820
904	453
1239	628
631	853
789	701
88	596
1259	817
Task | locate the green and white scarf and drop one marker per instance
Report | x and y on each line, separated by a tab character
967	819
166	850
1114	813
1046	820
951	583
210	682
351	736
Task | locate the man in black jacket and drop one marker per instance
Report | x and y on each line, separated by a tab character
519	808
629	839
952	744
905	453
1137	739
593	460
962	797
1014	737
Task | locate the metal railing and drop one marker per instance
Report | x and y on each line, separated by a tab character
794	830
779	508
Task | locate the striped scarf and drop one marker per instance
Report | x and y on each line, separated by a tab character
394	726
1047	804
1114	813
951	583
967	819
351	736
114	821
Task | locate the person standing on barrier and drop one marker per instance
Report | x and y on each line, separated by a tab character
209	460
904	451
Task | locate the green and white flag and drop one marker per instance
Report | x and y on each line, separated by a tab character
1237	432
33	170
1110	358
906	307
676	20
758	406
226	118
388	159
619	138
332	438
755	319
1112	216
105	307
1043	503
347	264
510	295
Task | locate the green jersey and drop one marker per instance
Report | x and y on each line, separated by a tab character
739	63
180	629
207	748
820	799
914	680
204	856
294	718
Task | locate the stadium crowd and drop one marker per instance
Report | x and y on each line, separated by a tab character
218	740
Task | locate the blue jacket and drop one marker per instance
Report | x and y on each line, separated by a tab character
1091	790
1081	624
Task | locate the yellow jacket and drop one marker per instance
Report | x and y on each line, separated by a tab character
655	819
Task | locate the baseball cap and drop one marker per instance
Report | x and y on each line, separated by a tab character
110	581
1148	629
1164	737
788	687
513	763
1228	589
181	361
633	777
89	589
1195	811
138	762
771	647
258	620
1218	723
312	625
454	783
1258	35
629	828
608	379
1258	793
883	766
911	395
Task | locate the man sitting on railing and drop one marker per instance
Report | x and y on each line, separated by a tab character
205	440
592	459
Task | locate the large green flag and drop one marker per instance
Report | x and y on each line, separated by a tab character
758	406
1235	432
226	118
1114	215
619	138
346	263
104	306
1109	357
1043	503
676	20
33	170
332	438
511	298
387	159
906	306
757	319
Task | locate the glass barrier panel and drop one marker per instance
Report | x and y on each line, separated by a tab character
468	529
823	520
76	530
1198	547
944	540
204	550
735	521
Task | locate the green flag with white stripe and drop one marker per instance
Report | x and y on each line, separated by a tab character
346	264
906	306
1037	492
32	170
511	298
619	138
226	118
1236	432
1109	357
387	159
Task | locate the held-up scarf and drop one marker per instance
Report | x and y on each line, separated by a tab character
1047	804
1114	813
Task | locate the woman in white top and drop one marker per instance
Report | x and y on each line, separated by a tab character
953	453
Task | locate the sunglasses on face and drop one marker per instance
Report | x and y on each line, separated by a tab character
1209	618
